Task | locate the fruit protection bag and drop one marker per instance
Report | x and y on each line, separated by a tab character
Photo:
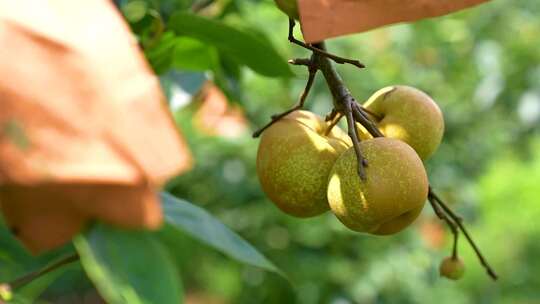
85	132
323	19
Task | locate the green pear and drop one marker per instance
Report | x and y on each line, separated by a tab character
452	268
407	114
289	7
392	195
294	159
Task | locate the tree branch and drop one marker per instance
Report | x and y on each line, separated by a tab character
458	221
333	119
29	277
345	105
312	73
319	51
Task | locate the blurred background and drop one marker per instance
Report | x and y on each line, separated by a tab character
482	66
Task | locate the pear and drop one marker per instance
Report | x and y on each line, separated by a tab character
452	268
390	197
294	159
407	114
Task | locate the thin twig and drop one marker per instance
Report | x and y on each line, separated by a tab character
440	213
312	73
461	227
301	61
454	248
455	234
364	120
371	113
337	59
439	201
331	116
353	134
333	122
29	277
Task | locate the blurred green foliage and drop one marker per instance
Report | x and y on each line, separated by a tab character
483	68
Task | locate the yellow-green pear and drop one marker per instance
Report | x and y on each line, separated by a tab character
452	268
392	195
289	7
294	160
407	114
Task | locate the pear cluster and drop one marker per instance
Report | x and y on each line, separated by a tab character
306	167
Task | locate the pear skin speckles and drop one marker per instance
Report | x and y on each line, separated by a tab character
294	160
392	195
410	115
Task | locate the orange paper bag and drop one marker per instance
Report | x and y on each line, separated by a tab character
85	132
323	19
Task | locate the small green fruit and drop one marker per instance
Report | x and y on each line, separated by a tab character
452	268
410	115
392	195
289	7
294	159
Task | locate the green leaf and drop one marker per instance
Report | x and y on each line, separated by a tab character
135	10
201	225
193	55
160	55
245	47
184	53
228	78
128	266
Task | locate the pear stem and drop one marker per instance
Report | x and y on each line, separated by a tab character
441	215
333	120
454	247
372	115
